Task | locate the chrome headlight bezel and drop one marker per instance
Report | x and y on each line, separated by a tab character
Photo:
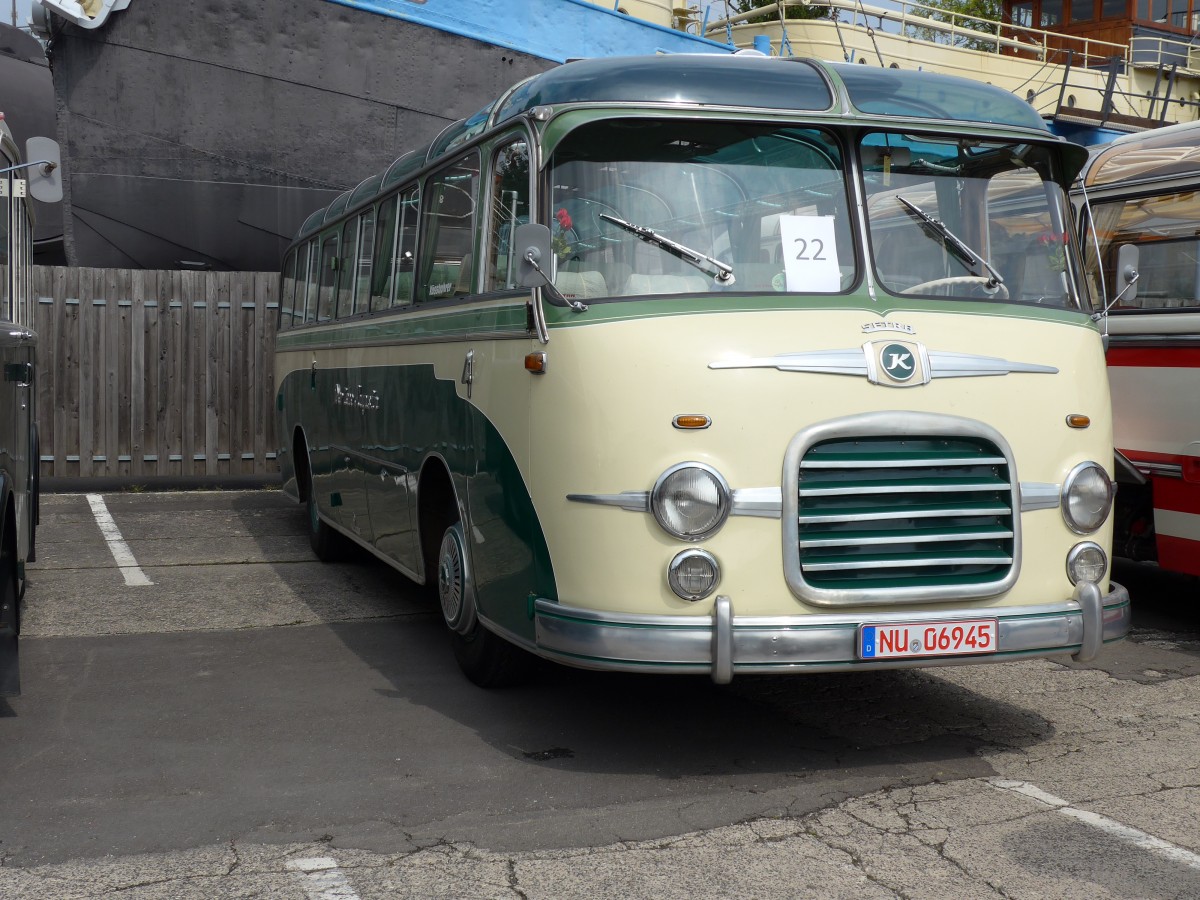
659	502
1069	484
1073	558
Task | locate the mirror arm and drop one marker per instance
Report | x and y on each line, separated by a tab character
552	293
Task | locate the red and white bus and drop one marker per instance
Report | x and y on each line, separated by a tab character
1140	223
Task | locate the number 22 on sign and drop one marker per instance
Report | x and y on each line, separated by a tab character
810	259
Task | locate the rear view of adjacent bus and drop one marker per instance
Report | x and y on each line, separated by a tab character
697	364
38	178
1139	232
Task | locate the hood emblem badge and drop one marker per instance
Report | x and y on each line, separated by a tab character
890	363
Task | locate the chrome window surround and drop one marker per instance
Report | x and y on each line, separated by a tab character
888	424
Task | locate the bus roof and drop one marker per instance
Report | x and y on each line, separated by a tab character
741	81
1170	151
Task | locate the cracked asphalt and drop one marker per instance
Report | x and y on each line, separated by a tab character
256	724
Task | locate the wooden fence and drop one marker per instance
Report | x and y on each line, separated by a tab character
154	373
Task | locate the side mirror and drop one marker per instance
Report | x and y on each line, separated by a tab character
1127	272
44	171
532	245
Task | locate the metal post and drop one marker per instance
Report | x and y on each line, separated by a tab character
1106	108
1062	91
1167	97
1154	97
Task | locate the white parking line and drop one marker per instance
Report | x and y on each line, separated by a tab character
323	880
1110	826
134	576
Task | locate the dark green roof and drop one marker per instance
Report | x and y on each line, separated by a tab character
749	81
925	95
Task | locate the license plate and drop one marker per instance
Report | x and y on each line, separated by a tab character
916	639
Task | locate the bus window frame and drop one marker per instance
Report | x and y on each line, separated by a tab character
425	257
495	146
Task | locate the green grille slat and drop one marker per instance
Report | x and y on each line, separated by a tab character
878	513
883	513
902	486
875	538
903	561
892	463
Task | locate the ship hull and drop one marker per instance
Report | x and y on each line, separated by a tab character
200	135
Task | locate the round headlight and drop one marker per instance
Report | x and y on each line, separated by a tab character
690	501
1086	562
1086	498
694	574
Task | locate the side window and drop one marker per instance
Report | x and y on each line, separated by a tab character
406	247
306	292
509	208
448	228
287	291
1160	231
362	276
328	275
6	312
346	261
385	248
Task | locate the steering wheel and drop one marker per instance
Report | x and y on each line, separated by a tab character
1000	292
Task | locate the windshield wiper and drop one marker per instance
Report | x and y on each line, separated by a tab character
952	242
718	270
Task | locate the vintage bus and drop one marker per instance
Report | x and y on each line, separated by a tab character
1140	228
40	178
697	364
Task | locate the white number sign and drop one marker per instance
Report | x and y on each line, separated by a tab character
810	253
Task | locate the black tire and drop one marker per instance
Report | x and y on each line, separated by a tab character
328	544
485	658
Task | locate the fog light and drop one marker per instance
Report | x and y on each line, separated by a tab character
1086	562
694	574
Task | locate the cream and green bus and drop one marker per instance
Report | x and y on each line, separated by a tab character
700	364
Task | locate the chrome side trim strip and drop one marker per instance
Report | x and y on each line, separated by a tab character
942	364
1164	470
765	502
724	644
1039	495
634	501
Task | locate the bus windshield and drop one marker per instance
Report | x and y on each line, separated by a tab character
967	219
720	190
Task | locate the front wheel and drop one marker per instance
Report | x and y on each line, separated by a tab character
329	545
485	658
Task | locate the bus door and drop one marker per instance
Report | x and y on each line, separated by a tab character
498	389
391	477
354	400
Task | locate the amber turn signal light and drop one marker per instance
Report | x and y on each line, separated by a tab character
691	421
536	363
1075	420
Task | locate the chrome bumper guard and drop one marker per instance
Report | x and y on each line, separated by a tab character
724	643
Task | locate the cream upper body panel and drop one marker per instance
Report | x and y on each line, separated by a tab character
603	415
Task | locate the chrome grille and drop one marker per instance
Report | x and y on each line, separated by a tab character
887	514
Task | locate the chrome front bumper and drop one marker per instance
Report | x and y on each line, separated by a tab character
723	643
